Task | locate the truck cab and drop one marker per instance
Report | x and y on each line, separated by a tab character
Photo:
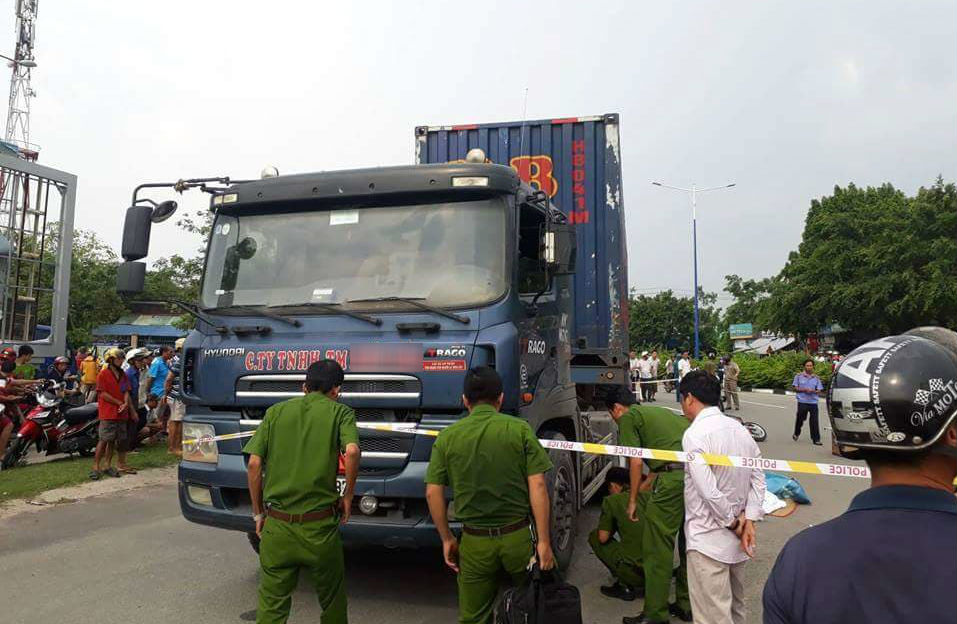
407	276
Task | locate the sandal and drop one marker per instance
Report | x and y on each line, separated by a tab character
112	472
128	470
95	475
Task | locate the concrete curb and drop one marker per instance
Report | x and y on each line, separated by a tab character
150	477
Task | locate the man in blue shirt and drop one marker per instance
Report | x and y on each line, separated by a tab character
892	557
808	386
159	370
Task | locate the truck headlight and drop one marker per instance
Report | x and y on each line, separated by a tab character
199	443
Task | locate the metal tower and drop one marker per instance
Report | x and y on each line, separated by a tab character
18	111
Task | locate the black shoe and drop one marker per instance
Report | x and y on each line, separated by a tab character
678	612
620	591
795	438
817	443
641	619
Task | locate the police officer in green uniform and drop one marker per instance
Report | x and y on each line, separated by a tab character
299	509
621	556
496	469
657	428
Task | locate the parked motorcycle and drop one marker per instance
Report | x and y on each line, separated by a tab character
53	426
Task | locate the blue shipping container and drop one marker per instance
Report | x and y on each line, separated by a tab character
577	161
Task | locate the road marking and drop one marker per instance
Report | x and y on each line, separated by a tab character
764	404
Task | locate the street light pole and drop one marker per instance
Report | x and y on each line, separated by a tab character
694	190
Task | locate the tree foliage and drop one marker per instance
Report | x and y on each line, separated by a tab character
667	321
873	260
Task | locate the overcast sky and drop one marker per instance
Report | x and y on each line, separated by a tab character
786	99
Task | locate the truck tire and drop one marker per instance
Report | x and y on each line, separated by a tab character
563	496
253	541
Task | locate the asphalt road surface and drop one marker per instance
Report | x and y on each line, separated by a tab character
130	557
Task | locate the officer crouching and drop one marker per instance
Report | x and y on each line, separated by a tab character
300	441
496	468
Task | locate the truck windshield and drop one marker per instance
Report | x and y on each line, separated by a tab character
444	254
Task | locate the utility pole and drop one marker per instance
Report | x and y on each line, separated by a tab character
694	236
18	108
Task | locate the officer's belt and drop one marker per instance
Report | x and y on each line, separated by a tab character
669	467
496	532
312	516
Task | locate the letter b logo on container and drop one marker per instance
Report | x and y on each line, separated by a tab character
537	171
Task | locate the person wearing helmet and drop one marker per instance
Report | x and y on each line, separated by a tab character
115	410
134	369
59	373
891	556
89	369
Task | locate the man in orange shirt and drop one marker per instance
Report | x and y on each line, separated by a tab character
115	410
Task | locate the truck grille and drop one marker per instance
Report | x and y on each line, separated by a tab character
355	386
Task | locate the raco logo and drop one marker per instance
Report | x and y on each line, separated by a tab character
537	171
435	352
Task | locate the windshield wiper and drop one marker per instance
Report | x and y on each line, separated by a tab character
193	310
259	309
417	302
335	308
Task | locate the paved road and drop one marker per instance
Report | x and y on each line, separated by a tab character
130	557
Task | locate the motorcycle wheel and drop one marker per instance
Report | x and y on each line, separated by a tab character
16	451
757	432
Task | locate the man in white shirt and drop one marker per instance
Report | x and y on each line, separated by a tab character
633	370
721	504
684	367
655	363
644	375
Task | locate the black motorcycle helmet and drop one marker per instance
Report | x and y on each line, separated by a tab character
896	394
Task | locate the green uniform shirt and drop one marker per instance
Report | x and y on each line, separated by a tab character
487	458
651	427
300	441
614	519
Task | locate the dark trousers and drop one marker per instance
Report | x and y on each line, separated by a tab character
805	410
646	388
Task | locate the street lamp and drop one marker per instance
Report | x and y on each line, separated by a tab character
21	62
694	237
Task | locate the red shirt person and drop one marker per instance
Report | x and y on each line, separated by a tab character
114	407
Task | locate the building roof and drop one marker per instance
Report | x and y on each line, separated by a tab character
129	329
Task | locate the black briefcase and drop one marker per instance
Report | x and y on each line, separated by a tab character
542	598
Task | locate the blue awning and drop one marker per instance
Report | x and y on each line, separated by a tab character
159	331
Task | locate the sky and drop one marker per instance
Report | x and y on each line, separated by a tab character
784	99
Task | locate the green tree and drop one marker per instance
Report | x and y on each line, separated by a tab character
750	300
664	320
873	260
93	297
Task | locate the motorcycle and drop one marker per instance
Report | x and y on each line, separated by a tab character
54	427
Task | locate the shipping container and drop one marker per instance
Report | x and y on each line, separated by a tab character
577	162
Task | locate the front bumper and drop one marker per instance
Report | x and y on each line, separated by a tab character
409	526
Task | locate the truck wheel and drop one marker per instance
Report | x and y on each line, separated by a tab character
563	496
253	540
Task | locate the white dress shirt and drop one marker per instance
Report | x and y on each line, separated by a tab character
716	495
684	367
644	368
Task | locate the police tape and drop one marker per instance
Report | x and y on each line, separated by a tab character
592	448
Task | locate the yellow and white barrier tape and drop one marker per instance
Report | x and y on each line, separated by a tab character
709	459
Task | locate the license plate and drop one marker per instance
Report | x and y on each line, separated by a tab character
341	486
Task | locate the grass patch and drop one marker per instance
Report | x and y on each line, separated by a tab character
28	481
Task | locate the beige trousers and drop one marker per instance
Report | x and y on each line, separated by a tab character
717	590
731	389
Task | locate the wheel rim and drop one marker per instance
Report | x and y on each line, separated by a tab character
563	508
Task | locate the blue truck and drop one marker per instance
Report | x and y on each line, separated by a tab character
504	245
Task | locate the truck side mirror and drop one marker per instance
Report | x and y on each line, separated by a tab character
130	277
561	249
136	232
